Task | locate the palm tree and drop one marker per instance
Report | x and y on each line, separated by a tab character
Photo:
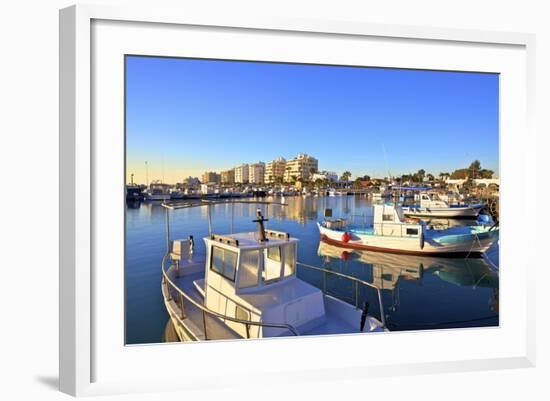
346	175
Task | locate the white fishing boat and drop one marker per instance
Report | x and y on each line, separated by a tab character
335	192
432	206
245	286
390	231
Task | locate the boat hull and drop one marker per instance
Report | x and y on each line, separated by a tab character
452	246
161	197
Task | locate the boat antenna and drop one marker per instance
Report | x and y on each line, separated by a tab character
260	220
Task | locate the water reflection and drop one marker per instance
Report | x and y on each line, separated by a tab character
430	279
417	292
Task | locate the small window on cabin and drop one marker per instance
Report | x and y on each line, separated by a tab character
248	270
387	217
241	313
412	231
272	265
290	260
224	262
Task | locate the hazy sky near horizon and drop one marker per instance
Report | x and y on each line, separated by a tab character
187	116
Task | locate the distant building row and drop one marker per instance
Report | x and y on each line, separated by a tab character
302	167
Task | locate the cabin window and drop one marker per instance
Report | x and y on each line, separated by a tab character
272	265
241	313
224	262
387	217
412	231
274	254
248	269
290	260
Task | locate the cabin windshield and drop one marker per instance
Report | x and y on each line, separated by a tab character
249	268
224	262
272	264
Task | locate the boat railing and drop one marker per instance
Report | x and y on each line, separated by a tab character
357	282
182	297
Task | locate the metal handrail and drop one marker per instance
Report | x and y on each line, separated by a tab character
356	281
219	315
338	274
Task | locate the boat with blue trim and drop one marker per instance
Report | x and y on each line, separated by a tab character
389	230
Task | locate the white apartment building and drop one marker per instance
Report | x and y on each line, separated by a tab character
274	169
301	167
241	174
256	173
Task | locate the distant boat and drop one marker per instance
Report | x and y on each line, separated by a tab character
176	194
334	192
390	231
431	206
158	192
133	192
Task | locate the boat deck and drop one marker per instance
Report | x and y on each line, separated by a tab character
196	321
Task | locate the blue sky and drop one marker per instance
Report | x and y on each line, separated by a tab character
185	116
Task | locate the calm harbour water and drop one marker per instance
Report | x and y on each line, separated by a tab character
417	293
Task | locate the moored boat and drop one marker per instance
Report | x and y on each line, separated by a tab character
245	286
158	191
431	206
390	231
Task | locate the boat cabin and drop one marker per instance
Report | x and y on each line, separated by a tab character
389	220
431	201
253	279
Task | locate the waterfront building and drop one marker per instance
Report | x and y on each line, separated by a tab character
228	176
241	174
275	170
301	167
487	181
210	177
256	173
455	183
325	175
191	181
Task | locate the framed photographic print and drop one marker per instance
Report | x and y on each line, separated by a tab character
278	187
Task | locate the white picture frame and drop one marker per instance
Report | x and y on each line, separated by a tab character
83	332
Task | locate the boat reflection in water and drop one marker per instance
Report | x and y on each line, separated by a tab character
421	292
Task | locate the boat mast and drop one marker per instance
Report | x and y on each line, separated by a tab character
261	230
167	229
